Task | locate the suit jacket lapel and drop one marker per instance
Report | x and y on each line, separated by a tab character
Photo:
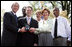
12	13
14	18
26	21
31	21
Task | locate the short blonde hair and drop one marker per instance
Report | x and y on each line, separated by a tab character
39	11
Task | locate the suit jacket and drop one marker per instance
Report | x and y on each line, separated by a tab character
10	30
27	38
22	16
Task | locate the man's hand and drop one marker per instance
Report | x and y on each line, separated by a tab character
32	29
68	42
35	44
22	29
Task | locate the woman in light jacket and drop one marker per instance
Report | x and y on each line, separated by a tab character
44	30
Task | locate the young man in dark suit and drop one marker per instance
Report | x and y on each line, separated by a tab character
27	38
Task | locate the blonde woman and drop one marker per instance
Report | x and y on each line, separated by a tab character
38	15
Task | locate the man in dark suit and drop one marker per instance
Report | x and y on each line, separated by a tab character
28	38
23	12
10	28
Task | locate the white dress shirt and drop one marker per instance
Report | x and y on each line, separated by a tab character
44	26
63	28
28	18
14	13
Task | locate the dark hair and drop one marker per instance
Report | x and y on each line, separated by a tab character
29	7
23	8
46	10
56	9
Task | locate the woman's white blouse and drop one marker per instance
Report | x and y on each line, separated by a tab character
44	26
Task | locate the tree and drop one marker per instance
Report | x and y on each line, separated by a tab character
66	5
53	3
34	4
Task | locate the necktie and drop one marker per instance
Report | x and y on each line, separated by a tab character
15	17
28	21
55	29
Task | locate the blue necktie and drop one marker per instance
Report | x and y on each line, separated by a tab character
16	18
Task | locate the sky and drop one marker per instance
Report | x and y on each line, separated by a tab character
6	5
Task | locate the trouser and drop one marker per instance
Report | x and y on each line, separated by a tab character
60	41
45	39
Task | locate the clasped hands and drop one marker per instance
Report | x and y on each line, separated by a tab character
30	30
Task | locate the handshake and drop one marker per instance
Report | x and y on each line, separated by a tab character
27	29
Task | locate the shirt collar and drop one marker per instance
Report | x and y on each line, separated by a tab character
14	13
57	17
28	17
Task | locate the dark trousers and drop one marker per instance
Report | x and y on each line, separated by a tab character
60	41
24	39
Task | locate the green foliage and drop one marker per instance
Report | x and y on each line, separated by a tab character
64	5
